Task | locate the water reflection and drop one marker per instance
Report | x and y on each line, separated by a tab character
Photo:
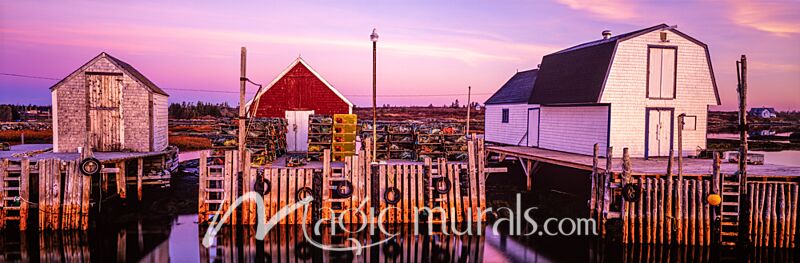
180	241
287	244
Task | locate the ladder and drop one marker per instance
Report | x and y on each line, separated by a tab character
213	192
731	198
337	205
10	184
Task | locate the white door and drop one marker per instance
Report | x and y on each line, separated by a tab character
659	132
297	137
533	127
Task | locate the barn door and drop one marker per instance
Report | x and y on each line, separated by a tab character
297	137
533	127
659	132
104	92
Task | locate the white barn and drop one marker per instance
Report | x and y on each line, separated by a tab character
622	91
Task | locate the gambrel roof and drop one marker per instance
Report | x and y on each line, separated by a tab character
578	74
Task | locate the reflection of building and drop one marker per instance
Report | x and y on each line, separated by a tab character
763	113
761	133
622	91
109	101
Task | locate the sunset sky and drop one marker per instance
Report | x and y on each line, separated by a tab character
428	52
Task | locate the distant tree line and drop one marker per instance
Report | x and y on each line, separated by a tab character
13	112
191	110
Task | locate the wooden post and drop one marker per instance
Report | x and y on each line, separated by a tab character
679	207
23	192
201	188
122	181
626	174
139	174
607	178
469	108
744	206
242	118
593	195
669	206
715	189
3	174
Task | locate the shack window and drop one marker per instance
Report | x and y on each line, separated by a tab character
689	123
505	115
661	72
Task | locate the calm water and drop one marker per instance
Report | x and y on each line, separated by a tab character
557	192
789	158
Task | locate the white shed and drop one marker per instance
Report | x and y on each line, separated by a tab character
508	112
623	91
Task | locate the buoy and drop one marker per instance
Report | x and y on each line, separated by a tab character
714	199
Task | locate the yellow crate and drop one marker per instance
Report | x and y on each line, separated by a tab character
344	137
344	147
345	119
345	128
339	157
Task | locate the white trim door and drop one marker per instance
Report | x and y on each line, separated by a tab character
533	127
297	137
659	132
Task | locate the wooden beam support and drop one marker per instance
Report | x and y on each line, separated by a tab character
139	175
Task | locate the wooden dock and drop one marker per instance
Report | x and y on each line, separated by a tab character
692	167
64	193
453	191
669	203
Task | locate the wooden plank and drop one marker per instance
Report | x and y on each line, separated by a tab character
139	174
481	177
382	175
292	193
283	194
473	188
202	207
23	193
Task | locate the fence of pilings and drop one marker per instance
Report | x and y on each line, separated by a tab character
347	190
675	209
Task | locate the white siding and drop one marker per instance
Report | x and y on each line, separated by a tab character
626	89
574	129
160	113
513	132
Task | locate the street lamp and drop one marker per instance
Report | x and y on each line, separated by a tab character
374	38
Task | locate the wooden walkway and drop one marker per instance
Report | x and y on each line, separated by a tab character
652	166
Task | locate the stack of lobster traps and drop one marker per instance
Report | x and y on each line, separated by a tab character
266	139
382	137
401	141
320	135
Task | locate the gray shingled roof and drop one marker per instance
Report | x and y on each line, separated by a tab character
577	74
516	90
125	67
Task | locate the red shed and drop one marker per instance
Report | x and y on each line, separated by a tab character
296	93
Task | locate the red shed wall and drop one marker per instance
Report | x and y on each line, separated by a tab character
299	89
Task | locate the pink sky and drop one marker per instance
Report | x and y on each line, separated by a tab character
430	50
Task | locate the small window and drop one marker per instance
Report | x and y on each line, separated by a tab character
661	72
689	123
505	115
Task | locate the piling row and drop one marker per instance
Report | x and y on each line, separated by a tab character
352	191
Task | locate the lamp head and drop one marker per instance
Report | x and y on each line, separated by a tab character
373	36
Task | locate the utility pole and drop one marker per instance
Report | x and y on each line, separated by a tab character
469	106
374	38
242	132
743	195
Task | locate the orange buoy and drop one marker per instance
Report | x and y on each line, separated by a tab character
714	199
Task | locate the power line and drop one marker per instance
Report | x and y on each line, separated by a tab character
28	76
252	92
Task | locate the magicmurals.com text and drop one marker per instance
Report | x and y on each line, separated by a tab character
518	222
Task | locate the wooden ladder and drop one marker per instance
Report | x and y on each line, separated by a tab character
729	208
12	187
342	204
213	192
